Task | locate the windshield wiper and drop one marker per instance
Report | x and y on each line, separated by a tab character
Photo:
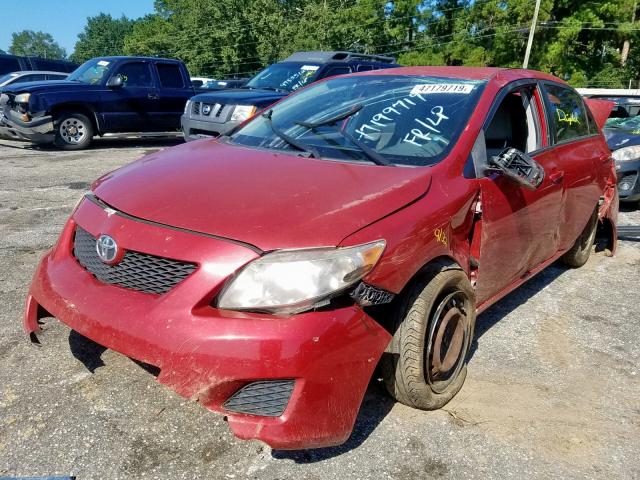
274	89
312	152
331	120
369	152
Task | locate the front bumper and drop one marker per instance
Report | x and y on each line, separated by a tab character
628	174
38	130
208	354
196	129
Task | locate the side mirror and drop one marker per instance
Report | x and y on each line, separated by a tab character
519	167
116	81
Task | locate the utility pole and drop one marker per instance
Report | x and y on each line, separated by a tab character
627	43
532	32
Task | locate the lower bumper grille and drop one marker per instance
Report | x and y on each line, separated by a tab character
136	271
266	398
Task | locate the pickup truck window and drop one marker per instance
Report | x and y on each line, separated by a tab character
136	74
170	75
92	71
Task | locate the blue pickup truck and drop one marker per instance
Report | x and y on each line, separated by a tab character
103	95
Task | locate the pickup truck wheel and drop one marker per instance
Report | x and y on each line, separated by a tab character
426	364
74	131
579	253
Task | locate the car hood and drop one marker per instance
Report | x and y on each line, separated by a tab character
48	86
619	138
267	199
240	96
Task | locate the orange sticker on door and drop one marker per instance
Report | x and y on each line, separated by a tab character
441	236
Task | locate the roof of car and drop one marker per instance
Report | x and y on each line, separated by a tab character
468	73
127	57
321	56
39	72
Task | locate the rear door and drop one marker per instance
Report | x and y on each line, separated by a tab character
171	96
519	226
581	154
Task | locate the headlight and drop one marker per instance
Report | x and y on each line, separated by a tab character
79	201
186	106
22	98
627	153
242	112
295	280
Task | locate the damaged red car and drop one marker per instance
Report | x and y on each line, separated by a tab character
363	222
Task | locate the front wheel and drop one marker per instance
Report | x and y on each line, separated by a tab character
426	363
74	131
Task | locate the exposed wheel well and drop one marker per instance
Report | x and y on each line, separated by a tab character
76	108
383	314
605	236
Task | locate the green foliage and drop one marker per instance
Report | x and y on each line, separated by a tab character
38	44
103	35
595	43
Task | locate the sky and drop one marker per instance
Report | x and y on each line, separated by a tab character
63	19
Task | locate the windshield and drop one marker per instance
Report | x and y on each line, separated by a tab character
285	77
408	120
92	71
632	123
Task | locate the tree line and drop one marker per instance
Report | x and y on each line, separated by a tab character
589	43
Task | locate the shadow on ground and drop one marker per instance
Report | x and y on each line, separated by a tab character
104	143
376	404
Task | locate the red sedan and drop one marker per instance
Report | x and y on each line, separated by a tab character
364	221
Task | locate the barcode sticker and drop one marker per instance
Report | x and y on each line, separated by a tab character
428	88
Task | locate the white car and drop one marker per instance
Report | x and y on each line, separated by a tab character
30	76
197	82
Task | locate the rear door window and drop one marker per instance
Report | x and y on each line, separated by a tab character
567	113
170	75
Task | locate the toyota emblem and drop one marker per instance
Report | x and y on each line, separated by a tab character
107	248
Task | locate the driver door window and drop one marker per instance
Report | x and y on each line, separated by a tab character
515	124
136	74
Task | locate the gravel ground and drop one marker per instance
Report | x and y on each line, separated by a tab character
553	386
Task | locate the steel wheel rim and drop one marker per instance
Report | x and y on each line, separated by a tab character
447	341
73	131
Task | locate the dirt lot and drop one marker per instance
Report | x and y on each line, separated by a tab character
553	388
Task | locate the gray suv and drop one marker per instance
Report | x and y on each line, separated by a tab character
216	113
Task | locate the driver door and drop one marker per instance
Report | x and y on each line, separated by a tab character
519	226
128	108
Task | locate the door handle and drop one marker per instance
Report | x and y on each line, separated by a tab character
153	96
556	177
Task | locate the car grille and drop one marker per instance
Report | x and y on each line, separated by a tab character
215	109
136	271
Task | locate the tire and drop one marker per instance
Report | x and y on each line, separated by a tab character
421	319
73	131
579	253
